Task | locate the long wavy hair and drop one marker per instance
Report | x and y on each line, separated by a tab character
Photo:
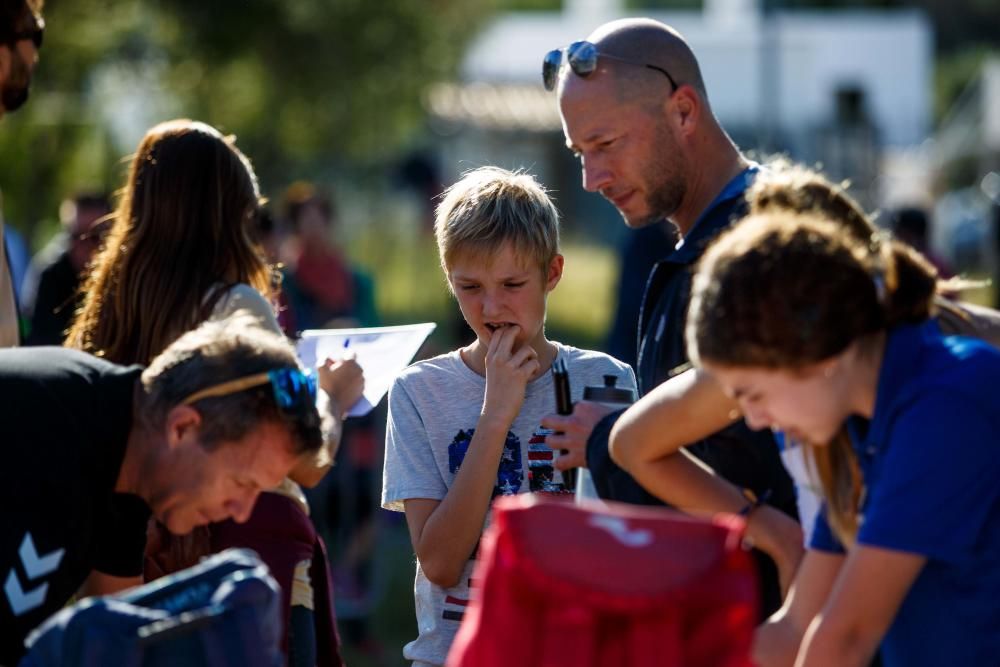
180	237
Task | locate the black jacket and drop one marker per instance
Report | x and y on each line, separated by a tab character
749	459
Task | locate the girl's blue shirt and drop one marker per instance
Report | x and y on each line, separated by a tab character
930	461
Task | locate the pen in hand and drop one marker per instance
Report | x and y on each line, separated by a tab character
564	406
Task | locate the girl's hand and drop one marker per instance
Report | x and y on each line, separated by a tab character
343	381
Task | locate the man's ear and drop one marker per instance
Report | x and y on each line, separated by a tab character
554	273
183	424
685	108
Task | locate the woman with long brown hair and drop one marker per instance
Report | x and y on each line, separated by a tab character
179	241
180	252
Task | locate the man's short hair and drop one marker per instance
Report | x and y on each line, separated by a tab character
218	352
14	15
490	207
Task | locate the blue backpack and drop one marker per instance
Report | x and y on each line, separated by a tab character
223	611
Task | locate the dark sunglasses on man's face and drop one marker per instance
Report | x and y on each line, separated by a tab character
34	33
582	60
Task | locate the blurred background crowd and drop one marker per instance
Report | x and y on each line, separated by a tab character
356	113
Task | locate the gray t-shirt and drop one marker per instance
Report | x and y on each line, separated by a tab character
434	407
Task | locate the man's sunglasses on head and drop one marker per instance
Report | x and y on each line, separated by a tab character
294	390
582	60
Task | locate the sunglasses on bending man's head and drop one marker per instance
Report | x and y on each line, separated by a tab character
582	59
294	390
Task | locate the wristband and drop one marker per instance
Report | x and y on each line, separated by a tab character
753	501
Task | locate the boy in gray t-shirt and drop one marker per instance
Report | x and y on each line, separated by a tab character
465	427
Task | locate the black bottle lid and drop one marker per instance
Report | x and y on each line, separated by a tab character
609	393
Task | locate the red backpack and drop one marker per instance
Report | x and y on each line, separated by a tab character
603	585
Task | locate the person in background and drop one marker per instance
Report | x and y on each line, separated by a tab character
21	31
267	233
322	288
18	258
52	292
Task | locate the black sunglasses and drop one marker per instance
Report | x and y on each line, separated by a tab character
582	59
34	33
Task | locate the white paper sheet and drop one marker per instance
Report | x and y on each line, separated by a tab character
382	353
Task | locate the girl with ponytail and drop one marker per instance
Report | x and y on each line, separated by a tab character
819	333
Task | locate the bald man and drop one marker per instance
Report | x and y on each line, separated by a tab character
635	111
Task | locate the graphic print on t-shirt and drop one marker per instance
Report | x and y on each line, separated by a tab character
510	474
542	475
454	607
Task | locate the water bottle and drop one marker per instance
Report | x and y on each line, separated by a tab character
615	398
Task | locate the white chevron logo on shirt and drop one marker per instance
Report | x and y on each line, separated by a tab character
35	565
21	601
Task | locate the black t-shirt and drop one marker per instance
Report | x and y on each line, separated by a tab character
65	417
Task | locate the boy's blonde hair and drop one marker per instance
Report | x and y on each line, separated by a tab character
491	206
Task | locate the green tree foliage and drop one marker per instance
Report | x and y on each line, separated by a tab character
303	83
